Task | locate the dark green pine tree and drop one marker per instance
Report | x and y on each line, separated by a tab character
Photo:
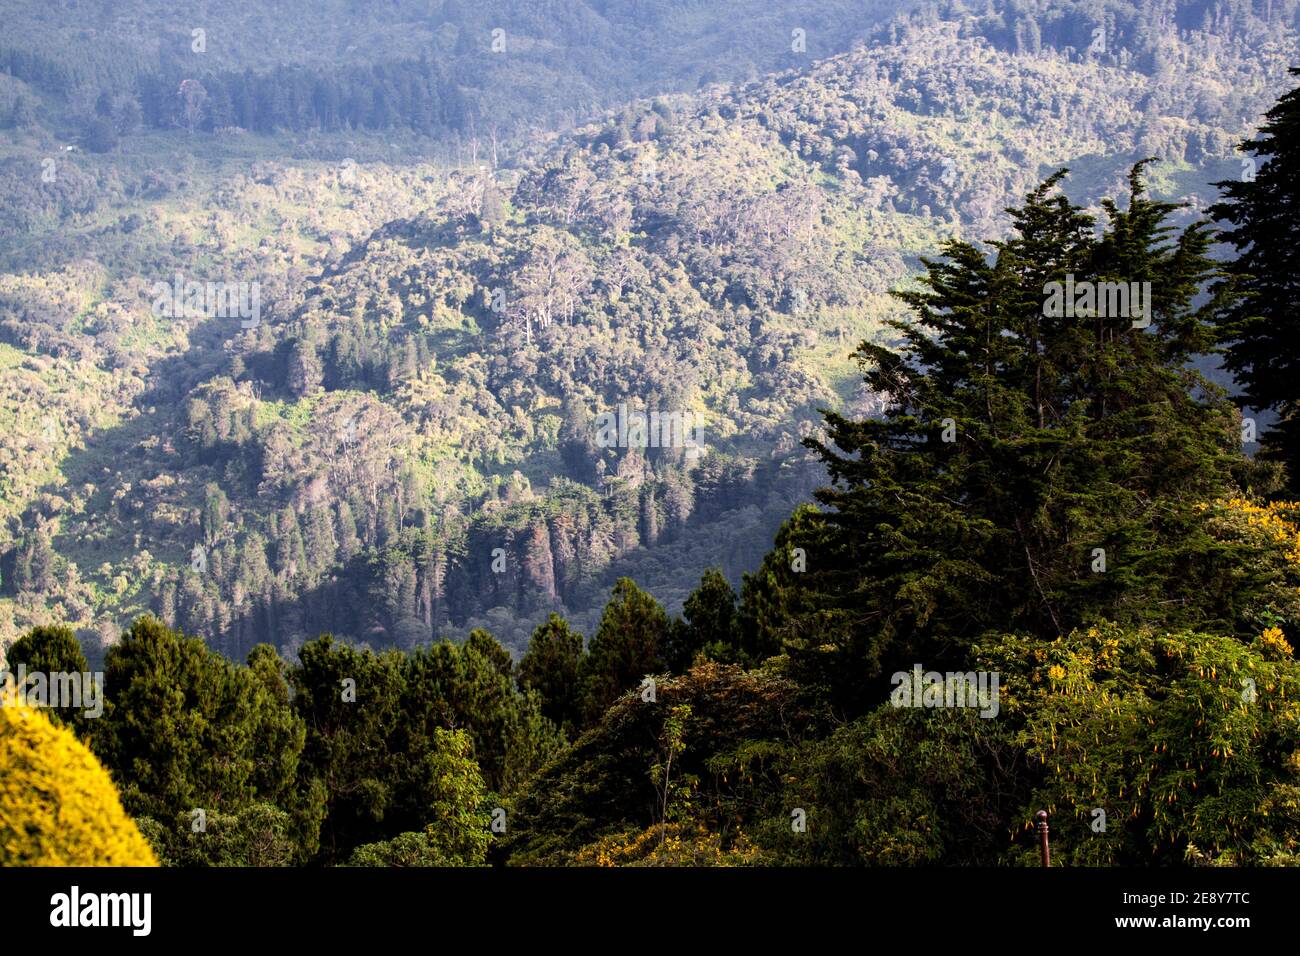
628	646
551	667
1261	331
52	650
351	700
773	595
186	729
1034	470
710	623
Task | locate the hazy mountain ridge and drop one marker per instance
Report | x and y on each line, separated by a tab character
498	64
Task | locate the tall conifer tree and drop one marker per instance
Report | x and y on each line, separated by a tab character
1038	466
1262	330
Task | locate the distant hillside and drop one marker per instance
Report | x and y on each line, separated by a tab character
481	69
495	70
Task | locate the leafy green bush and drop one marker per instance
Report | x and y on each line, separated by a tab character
457	833
1189	742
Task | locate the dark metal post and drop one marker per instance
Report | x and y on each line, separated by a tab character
1042	837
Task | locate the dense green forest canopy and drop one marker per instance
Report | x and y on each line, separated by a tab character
758	728
372	580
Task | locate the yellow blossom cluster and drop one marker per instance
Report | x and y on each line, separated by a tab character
671	845
1273	638
1279	520
58	805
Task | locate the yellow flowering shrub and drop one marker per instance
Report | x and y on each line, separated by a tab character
676	844
1267	562
58	805
1157	746
1273	639
1278	521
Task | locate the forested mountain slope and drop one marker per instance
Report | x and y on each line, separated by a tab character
405	445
